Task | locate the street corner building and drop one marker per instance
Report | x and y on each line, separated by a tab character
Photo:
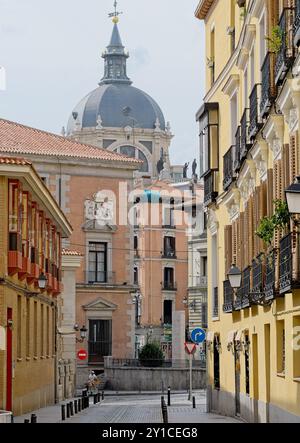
32	227
91	185
249	133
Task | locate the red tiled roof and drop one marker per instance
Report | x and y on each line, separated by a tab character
71	253
14	161
19	139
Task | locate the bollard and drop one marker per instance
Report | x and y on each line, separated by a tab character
194	402
169	396
87	402
26	420
95	398
71	408
33	418
162	401
99	397
76	406
79	405
68	410
63	412
102	395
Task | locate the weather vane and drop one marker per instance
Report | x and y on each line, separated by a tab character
115	15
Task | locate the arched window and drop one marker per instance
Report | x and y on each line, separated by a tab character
133	152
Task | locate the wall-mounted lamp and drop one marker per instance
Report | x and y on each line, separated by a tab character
83	333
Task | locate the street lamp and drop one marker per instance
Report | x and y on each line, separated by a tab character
235	277
293	197
83	333
42	281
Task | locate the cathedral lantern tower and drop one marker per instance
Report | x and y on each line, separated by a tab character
121	118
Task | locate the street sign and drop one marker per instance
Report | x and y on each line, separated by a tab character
190	348
198	336
82	354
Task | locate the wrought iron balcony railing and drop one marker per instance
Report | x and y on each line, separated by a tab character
169	253
228	170
237	157
169	286
269	288
255	121
237	304
228	298
285	55
285	265
258	279
268	87
246	287
100	278
296	26
244	141
210	193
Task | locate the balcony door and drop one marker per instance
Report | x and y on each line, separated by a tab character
9	361
100	340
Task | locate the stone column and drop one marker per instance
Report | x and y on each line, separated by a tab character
178	339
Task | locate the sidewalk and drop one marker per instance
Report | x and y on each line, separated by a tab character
132	407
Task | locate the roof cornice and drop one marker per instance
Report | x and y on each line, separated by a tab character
203	8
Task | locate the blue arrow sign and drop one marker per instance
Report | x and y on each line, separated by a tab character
198	336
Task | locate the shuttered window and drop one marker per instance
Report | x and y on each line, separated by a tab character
293	160
228	248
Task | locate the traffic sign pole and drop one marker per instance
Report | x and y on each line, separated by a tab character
191	377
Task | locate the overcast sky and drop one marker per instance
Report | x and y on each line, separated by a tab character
51	51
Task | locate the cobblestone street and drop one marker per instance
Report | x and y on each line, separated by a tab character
136	409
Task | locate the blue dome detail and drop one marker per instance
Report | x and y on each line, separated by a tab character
118	105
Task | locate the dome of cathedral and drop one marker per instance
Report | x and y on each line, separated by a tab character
116	103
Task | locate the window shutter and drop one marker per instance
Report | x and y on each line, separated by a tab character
270	182
256	222
245	244
250	231
293	160
234	242
228	248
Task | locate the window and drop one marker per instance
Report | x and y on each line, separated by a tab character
234	118
281	347
42	320
169	278
262	39
246	94
247	367
204	266
35	330
100	340
169	247
97	263
136	276
208	117
48	331
296	347
168	216
204	315
216	363
168	310
19	338
28	320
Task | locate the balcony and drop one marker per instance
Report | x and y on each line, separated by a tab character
269	289
228	169
210	193
246	287
228	298
255	123
109	278
296	27
237	157
171	254
285	56
169	286
285	265
258	279
237	304
244	140
268	87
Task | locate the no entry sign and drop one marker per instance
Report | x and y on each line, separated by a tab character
82	354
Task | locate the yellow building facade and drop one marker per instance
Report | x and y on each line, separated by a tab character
249	150
32	227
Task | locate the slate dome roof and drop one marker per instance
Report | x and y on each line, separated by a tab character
116	103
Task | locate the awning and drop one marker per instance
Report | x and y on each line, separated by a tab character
230	338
